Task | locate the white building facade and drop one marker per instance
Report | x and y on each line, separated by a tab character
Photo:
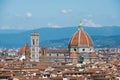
35	47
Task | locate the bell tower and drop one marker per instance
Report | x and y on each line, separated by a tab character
35	47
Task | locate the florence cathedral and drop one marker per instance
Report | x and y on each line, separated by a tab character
80	49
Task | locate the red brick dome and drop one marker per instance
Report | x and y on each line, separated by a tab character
80	38
24	49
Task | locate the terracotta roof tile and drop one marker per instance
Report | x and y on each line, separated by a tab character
80	38
24	49
93	55
58	51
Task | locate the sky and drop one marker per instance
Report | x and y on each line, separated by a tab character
33	14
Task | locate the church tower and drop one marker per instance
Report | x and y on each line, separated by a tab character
35	47
81	45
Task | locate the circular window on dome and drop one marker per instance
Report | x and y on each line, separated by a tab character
75	49
83	49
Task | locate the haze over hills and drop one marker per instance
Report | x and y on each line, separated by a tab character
11	31
59	37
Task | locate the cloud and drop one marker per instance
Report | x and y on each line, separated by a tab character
89	16
66	11
90	23
114	17
5	27
10	27
29	14
18	15
53	25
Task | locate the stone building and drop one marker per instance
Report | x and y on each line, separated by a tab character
35	47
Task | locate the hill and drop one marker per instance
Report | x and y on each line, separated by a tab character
99	42
54	37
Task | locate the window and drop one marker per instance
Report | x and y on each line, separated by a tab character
49	54
33	55
33	49
75	49
36	41
33	42
90	49
83	49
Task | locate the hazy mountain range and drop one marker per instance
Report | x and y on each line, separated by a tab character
59	37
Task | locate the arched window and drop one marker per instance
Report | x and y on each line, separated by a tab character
36	41
33	42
